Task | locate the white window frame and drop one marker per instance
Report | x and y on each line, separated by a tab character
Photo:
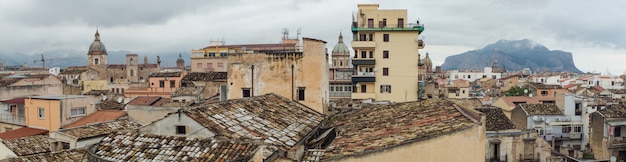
41	112
76	111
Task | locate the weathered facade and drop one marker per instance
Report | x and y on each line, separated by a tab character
51	112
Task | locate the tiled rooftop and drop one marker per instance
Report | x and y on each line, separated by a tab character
510	100
275	119
383	126
67	155
21	132
99	129
541	109
120	66
618	91
8	81
166	74
187	91
614	111
19	101
131	146
202	76
97	117
28	145
73	71
109	105
495	119
97	92
146	100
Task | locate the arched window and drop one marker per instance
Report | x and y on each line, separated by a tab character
132	61
96	61
132	72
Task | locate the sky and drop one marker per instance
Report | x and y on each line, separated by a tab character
592	30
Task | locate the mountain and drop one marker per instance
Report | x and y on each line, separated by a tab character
513	55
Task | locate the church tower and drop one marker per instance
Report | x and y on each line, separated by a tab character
341	54
180	62
97	53
428	64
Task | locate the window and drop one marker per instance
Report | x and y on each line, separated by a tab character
348	88
493	76
385	71
400	22
371	38
370	23
617	131
578	109
80	111
332	88
220	64
362	37
463	92
111	80
363	88
469	76
544	93
212	54
363	54
371	54
65	145
384	22
132	61
578	129
385	54
199	65
223	54
181	130
172	83
96	61
484	76
246	92
385	37
42	113
566	129
340	63
132	72
456	93
300	93
209	65
161	83
385	88
339	88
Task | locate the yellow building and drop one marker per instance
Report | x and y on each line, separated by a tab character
51	112
89	85
211	58
386	54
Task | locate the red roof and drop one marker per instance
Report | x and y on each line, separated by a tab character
22	132
97	117
569	86
14	101
148	100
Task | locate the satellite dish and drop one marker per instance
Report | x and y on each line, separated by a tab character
530	95
104	98
525	90
534	117
613	159
547	120
119	100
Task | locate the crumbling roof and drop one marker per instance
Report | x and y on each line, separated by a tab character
109	105
97	117
596	89
540	109
97	92
618	91
275	119
511	100
129	146
21	132
67	155
167	74
614	111
380	127
94	130
28	145
73	71
495	119
545	86
8	81
203	76
189	91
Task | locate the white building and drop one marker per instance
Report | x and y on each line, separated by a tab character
473	75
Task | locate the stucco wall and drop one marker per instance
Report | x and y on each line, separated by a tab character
167	127
148	114
4	126
519	118
5	152
466	145
7	92
596	141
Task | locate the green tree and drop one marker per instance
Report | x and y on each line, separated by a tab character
517	91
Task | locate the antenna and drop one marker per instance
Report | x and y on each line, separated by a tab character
119	99
285	33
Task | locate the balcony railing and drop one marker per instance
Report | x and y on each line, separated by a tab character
387	27
340	94
11	119
363	74
617	141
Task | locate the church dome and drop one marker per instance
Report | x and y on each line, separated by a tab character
427	60
97	46
340	47
180	58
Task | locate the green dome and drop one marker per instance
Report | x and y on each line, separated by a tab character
340	47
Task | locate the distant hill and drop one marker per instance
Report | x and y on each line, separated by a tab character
513	55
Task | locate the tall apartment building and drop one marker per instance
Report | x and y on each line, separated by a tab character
386	54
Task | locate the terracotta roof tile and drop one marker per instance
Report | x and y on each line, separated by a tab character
495	119
277	120
540	109
94	130
618	91
614	111
97	92
21	132
129	146
188	91
167	74
145	100
67	155
545	86
109	105
187	81
384	126
19	101
28	145
97	117
511	100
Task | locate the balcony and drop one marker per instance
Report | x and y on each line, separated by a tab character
615	142
364	77
389	27
12	119
363	95
357	61
363	44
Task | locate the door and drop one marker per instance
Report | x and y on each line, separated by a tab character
370	23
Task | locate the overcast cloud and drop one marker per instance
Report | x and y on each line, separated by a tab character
591	30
